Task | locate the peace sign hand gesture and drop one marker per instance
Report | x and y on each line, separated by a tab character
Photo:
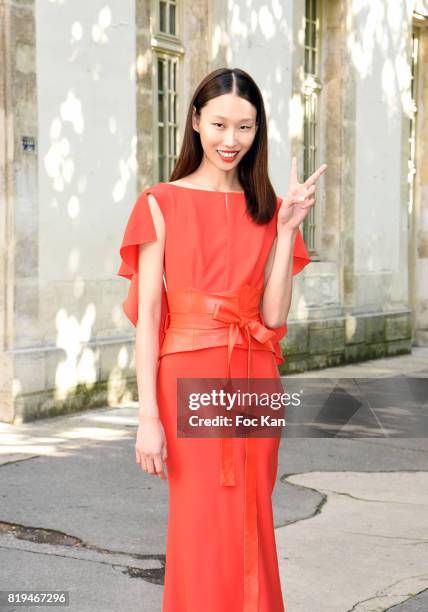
298	200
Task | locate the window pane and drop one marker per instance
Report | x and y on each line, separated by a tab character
172	19
161	140
307	67
312	26
160	108
162	16
313	9
160	75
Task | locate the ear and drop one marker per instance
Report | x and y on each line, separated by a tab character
195	119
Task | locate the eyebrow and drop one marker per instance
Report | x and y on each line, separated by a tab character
245	118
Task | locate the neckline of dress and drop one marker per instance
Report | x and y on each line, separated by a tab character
205	190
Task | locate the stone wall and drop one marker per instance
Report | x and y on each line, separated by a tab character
76	109
332	342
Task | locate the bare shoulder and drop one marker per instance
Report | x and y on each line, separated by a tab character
157	215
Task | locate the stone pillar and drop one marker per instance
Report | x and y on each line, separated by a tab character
419	217
19	201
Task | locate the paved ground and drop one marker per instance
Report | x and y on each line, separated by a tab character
351	515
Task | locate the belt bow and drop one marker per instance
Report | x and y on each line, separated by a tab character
252	327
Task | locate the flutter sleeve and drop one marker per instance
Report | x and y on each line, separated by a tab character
139	229
300	260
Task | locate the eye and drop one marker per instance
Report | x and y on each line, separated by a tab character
248	127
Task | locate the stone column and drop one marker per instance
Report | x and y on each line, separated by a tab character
419	217
18	196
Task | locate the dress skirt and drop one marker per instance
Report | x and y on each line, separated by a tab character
205	544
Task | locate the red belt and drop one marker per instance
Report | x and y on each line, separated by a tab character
198	319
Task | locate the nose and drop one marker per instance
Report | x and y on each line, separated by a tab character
229	139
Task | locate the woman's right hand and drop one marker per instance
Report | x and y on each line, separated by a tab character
150	446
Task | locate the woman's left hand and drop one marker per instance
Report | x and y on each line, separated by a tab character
298	200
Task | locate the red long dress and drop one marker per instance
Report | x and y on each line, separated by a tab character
216	559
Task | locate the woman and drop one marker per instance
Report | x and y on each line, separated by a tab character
228	248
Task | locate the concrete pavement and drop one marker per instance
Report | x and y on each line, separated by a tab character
351	515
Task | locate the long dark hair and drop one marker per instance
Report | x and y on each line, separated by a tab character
253	168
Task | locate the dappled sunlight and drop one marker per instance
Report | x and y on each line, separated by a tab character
370	41
88	163
143	62
296	116
123	357
267	23
80	364
351	326
377	35
362	45
99	30
73	207
73	261
62	435
300	309
112	125
244	21
71	112
16	387
127	170
57	164
76	31
117	387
